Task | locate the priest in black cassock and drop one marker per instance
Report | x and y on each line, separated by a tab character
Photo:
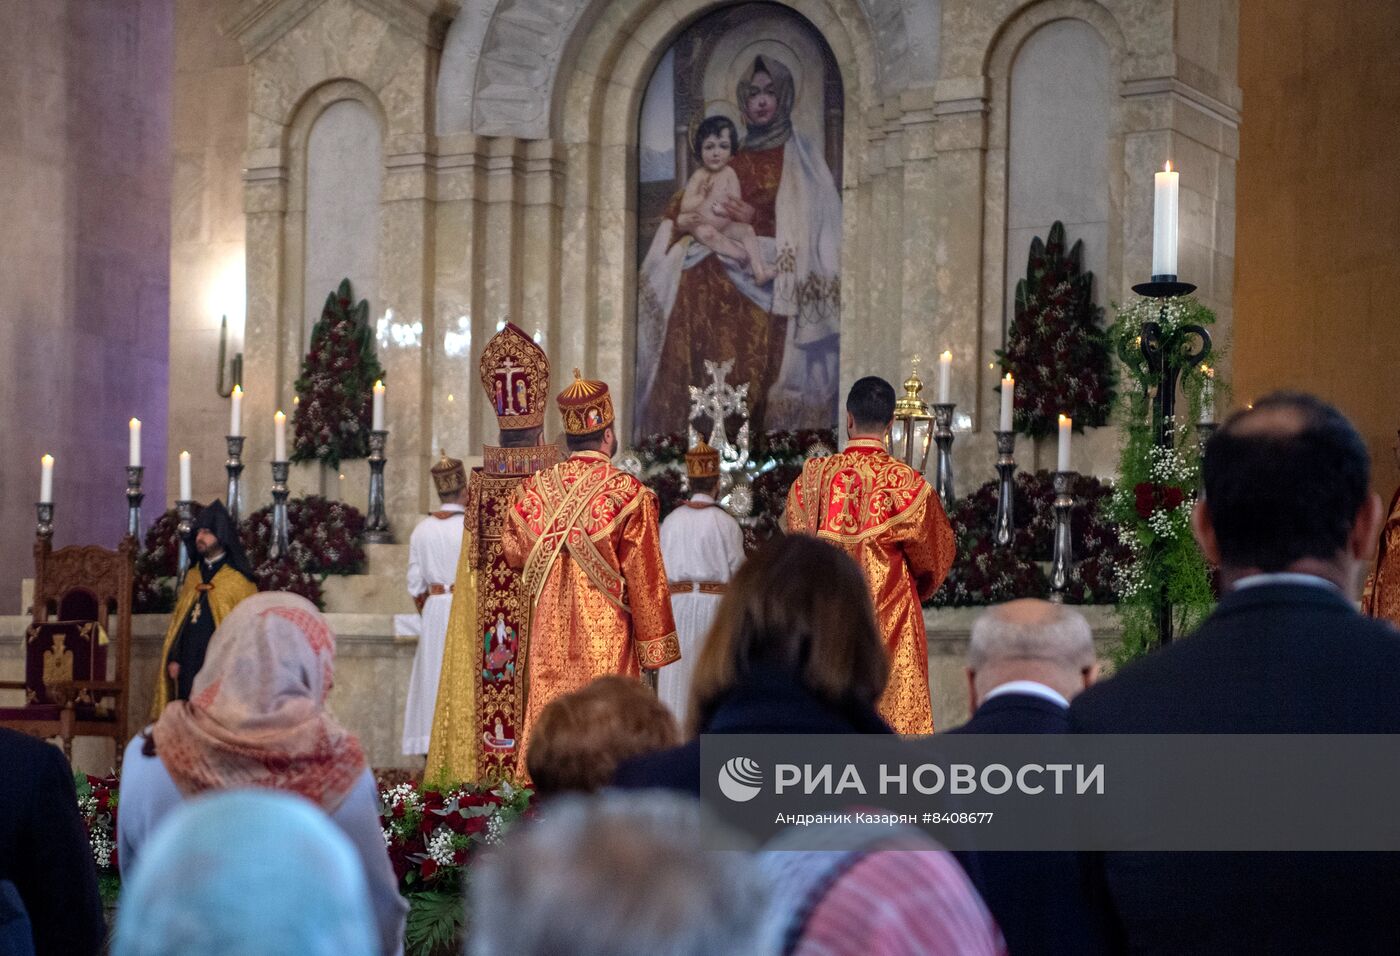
219	577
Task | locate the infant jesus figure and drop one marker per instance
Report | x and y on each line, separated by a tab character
710	187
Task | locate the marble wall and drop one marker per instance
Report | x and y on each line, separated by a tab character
84	234
1321	239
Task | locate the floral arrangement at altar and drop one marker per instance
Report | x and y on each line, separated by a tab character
326	537
332	418
97	803
433	835
986	573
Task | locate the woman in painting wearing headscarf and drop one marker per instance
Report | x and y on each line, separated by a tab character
695	305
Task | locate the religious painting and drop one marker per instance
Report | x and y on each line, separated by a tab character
739	221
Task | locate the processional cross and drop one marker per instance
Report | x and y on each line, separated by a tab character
717	401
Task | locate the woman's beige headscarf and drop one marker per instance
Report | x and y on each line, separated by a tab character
775	133
256	715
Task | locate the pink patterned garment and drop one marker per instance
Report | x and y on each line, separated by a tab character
256	715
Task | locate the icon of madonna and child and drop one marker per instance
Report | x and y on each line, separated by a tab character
745	260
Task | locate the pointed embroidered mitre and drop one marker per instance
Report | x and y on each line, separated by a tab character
586	406
449	475
515	376
702	461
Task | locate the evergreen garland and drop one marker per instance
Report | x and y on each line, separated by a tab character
1055	347
331	421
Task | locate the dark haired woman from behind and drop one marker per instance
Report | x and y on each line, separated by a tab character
794	650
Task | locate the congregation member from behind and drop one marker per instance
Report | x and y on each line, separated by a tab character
1026	661
1289	519
794	650
246	872
44	850
618	875
582	737
257	719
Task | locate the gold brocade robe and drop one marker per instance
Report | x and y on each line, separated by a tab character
884	514
586	538
477	714
228	588
1382	595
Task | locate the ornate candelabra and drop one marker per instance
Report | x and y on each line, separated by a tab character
134	497
1006	488
1063	559
44	526
281	539
376	524
1166	365
943	438
234	466
185	509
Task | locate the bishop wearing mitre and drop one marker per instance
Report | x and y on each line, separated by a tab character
585	537
884	514
477	716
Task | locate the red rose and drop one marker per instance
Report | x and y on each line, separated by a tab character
1172	498
1145	494
428	868
428	824
475	825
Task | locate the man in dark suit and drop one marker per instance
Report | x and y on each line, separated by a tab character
1025	662
44	848
1289	518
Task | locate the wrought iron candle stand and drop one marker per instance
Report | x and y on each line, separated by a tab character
281	538
943	437
134	497
1062	561
1167	367
185	510
376	524
234	466
1006	488
44	526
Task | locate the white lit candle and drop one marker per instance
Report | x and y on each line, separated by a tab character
279	436
945	378
185	480
46	480
1066	431
1164	233
1208	395
235	416
1008	401
378	416
134	460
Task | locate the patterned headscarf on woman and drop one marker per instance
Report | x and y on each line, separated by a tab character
256	715
776	132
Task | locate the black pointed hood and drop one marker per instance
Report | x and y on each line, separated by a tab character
216	519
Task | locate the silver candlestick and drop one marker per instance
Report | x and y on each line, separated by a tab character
134	497
234	466
281	544
44	527
943	437
376	524
1063	558
1006	488
185	509
1203	432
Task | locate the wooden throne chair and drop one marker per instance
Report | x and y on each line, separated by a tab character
77	648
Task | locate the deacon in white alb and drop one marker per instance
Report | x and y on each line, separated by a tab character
702	546
433	550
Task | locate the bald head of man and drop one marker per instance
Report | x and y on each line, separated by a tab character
1030	640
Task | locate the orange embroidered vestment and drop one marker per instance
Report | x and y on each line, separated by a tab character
1382	595
884	514
586	539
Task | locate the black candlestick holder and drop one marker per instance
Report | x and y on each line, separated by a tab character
281	537
134	497
185	510
1062	561
376	523
234	467
43	527
943	438
1006	488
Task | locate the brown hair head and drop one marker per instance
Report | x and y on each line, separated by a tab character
580	738
802	606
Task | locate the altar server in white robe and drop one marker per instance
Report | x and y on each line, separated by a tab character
702	546
433	549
